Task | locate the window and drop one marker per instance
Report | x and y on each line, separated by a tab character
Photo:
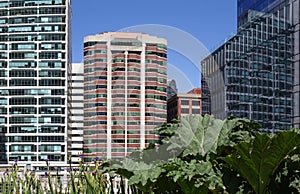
22	129
51	138
184	102
50	110
51	73
51	148
3	101
51	46
195	103
52	157
52	101
51	64
22	82
3	46
51	82
126	43
93	52
87	44
21	46
22	120
52	10
52	55
195	111
52	129
3	82
22	73
20	55
133	141
185	111
22	148
22	64
22	110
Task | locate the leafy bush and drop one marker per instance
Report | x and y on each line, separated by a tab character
198	155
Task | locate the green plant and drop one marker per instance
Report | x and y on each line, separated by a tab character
198	155
187	160
14	183
259	160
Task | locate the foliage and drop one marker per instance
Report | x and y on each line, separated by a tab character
12	183
167	130
194	176
87	178
233	152
198	154
260	159
189	148
197	135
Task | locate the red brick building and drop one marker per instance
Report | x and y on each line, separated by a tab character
184	104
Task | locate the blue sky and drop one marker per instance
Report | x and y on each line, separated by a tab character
209	22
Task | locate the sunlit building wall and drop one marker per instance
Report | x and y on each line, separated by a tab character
76	111
35	64
124	92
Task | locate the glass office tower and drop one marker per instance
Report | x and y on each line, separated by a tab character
252	75
288	11
249	8
34	68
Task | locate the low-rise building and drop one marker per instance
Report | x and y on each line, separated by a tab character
184	104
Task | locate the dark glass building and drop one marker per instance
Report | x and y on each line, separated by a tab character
288	11
244	6
205	97
255	74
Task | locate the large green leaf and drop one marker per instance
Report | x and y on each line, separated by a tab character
194	175
195	135
201	135
258	160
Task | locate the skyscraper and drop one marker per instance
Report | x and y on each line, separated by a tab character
253	75
34	69
288	11
248	9
124	92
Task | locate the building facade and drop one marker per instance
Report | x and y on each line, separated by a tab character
205	97
34	71
76	110
124	92
253	74
185	104
286	10
248	9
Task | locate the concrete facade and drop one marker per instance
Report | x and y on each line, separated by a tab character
124	92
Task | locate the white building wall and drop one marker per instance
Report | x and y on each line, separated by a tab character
77	112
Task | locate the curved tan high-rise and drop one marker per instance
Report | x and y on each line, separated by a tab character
124	92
